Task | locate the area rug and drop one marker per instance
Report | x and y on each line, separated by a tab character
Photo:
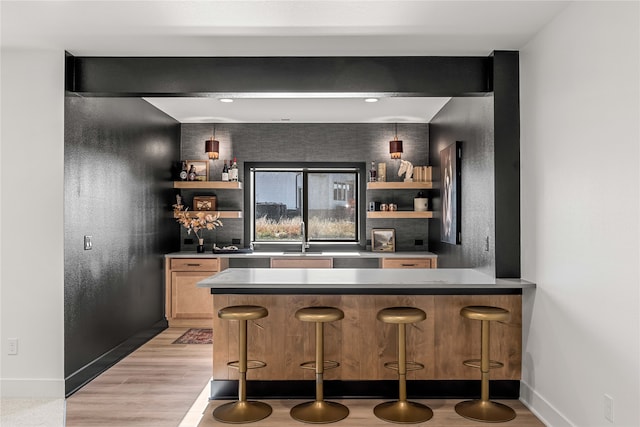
196	336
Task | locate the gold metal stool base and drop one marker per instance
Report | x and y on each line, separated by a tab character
403	412
319	412
485	410
241	412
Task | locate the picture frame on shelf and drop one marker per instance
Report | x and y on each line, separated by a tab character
383	240
202	169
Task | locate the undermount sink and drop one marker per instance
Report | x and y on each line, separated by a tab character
339	253
299	253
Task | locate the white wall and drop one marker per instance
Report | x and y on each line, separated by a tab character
580	214
31	226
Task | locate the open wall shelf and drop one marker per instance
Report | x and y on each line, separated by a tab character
223	214
208	185
400	214
422	185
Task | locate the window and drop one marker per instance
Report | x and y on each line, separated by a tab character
323	196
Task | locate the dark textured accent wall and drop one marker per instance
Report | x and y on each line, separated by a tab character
469	120
118	158
311	142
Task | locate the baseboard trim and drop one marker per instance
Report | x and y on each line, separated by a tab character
82	376
541	408
32	388
373	389
191	323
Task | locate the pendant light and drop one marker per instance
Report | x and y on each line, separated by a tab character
212	146
395	146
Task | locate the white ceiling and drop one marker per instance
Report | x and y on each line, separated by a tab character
279	28
300	110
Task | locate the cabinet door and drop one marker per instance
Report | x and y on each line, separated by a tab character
406	263
187	300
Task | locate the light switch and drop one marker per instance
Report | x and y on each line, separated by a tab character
87	243
13	346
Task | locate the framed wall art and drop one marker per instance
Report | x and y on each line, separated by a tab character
450	179
383	240
202	169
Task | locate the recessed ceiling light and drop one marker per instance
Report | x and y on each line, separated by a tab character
371	100
226	100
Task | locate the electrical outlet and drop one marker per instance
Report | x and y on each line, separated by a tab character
608	408
13	346
88	245
418	242
235	241
188	241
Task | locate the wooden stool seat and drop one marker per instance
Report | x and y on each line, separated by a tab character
484	409
242	410
402	411
319	411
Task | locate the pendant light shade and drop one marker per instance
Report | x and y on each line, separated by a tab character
395	146
212	146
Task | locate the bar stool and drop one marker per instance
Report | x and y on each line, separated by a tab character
484	409
319	411
242	411
402	411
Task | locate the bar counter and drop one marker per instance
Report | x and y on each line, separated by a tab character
360	342
360	281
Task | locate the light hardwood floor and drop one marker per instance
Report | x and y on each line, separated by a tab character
153	386
158	384
361	415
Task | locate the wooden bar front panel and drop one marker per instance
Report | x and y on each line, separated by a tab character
362	344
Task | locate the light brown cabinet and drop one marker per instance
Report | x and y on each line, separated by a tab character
408	263
301	262
185	303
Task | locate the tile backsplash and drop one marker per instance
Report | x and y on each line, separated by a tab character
306	142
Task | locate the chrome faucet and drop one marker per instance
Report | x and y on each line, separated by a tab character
303	233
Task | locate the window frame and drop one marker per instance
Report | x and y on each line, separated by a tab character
359	168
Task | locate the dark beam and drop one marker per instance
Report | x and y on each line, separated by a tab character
506	95
203	76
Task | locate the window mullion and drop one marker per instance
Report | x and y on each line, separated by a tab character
305	202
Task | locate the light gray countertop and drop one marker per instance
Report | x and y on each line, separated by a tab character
321	254
360	281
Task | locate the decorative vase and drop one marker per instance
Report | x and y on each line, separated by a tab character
200	247
420	203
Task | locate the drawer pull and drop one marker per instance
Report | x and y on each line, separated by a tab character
193	265
408	265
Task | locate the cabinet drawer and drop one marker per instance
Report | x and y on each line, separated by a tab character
195	264
301	262
406	263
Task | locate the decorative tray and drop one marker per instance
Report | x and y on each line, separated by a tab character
233	251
